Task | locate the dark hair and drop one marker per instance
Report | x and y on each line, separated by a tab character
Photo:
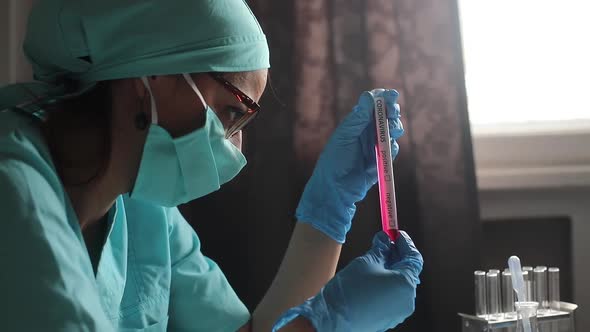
64	119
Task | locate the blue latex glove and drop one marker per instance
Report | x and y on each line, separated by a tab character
375	292
347	168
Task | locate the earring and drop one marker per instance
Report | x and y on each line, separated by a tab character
141	120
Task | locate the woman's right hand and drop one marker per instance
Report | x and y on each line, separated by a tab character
374	292
347	168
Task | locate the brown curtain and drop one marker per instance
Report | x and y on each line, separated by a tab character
324	53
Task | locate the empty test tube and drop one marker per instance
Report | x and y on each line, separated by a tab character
507	294
527	275
493	288
553	283
540	286
480	294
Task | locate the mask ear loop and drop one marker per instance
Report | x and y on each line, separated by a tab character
192	84
152	100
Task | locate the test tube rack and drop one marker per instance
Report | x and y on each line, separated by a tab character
549	321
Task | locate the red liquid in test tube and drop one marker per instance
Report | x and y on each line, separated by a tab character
385	170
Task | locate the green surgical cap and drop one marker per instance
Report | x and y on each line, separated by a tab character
72	44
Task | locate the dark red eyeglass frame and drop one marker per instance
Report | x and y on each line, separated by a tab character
247	117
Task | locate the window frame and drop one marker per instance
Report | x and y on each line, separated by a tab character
532	156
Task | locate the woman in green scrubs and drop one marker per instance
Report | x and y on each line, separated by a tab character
138	107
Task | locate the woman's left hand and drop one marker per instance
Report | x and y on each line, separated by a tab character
374	292
346	169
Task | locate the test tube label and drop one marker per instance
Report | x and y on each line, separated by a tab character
384	165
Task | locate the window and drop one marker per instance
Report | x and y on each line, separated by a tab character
527	73
526	61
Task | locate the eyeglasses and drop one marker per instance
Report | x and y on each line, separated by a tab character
246	117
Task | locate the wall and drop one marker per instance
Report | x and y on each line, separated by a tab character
4	33
13	65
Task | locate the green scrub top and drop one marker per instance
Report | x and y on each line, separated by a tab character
151	275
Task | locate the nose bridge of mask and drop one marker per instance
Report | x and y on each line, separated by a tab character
152	100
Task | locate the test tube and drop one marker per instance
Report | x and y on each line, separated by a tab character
527	285
540	277
480	294
553	281
493	288
507	294
387	200
527	275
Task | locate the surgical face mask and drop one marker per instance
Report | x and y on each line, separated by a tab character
174	171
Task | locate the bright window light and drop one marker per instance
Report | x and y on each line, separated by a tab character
526	60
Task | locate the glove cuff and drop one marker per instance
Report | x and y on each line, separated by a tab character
286	318
314	309
333	222
336	234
